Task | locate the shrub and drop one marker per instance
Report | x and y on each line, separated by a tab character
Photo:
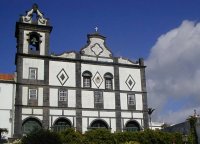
98	136
42	137
70	136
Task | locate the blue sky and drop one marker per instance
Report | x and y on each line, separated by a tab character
134	29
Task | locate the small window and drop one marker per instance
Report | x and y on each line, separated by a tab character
131	99
62	95
108	81
87	79
98	97
32	73
33	94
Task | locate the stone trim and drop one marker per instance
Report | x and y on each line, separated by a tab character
144	95
117	97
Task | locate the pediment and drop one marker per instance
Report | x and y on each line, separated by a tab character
96	46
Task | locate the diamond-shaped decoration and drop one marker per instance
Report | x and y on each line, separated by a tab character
97	49
97	79
130	82
62	77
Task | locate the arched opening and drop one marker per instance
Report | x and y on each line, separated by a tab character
132	126
31	124
87	79
61	124
108	80
98	124
34	41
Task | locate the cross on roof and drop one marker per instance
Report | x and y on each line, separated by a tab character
96	29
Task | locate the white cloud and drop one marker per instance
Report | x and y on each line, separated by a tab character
173	73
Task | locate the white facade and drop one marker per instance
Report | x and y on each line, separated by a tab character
7	96
84	90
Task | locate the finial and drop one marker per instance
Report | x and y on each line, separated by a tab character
35	7
96	29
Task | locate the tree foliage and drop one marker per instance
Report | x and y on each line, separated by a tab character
102	136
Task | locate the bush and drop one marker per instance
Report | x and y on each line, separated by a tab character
42	137
98	136
69	136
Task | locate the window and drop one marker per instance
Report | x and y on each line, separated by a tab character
34	41
108	80
61	124
132	126
62	95
131	99
98	97
87	79
33	94
30	125
99	124
32	73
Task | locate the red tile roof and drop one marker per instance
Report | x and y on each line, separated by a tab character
6	77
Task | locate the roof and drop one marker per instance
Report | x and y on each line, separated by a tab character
7	77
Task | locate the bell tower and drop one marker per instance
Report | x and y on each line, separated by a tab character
32	33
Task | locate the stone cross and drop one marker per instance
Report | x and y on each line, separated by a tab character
96	29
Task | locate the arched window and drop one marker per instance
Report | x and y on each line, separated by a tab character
34	41
108	80
99	124
132	126
31	124
61	124
87	79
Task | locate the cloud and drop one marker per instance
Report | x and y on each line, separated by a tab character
173	73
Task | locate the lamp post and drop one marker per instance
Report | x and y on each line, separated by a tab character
150	111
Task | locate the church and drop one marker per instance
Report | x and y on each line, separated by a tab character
83	90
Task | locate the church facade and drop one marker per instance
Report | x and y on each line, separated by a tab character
83	90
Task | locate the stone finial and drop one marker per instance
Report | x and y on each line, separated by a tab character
40	20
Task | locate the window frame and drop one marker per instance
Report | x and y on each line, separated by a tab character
108	78
65	98
36	94
35	73
87	75
98	97
131	101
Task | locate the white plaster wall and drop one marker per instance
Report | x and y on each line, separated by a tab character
38	111
71	98
40	96
84	125
7	98
113	125
53	97
24	95
139	103
4	122
55	112
70	112
90	113
87	99
56	66
123	100
25	43
107	114
137	115
101	69
123	75
109	100
6	95
105	60
126	114
34	63
26	111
